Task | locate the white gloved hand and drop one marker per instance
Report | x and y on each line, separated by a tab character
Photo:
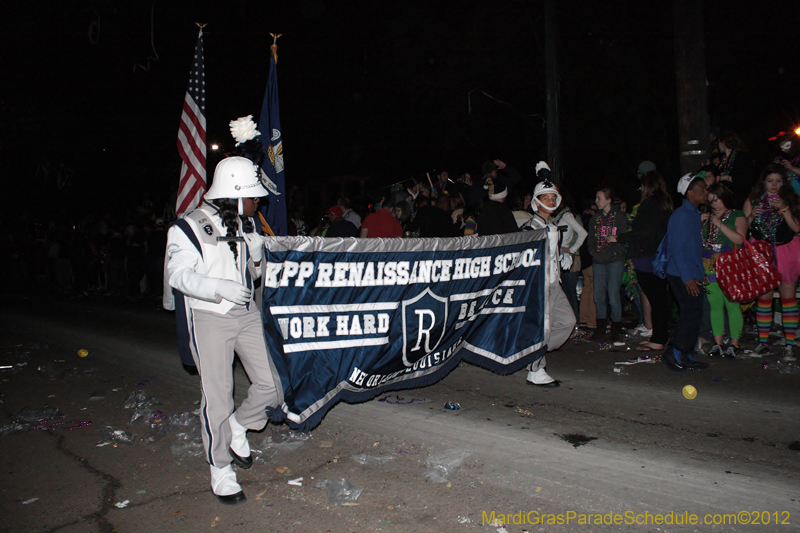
566	261
234	292
255	243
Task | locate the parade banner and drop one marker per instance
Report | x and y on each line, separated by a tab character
348	319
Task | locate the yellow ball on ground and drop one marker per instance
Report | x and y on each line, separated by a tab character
83	353
689	392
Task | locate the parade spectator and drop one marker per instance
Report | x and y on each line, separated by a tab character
773	215
339	227
571	240
457	209
156	246
412	189
347	212
723	228
495	217
442	182
520	204
608	261
402	212
685	273
649	227
645	167
588	316
381	223
789	145
737	166
501	173
434	220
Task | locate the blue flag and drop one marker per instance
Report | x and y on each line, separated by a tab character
274	206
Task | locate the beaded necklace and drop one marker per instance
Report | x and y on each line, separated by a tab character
769	220
712	240
603	230
727	164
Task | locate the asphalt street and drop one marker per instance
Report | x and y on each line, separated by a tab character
606	446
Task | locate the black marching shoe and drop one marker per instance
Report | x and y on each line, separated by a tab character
241	462
232	499
551	385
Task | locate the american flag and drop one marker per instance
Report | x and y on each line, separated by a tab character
192	135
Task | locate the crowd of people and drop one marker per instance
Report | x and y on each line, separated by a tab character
611	248
113	254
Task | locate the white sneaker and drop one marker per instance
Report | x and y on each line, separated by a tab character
788	353
642	331
223	481
239	443
540	377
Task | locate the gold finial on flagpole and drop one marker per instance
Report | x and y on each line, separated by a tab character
201	25
274	46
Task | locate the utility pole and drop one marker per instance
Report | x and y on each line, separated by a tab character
551	79
690	73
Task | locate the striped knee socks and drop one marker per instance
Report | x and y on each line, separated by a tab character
789	316
764	318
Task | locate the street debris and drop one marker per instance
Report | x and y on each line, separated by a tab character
453	406
34	414
363	459
97	395
276	442
296	482
397	400
188	439
340	492
138	399
122	505
444	464
52	370
109	435
689	392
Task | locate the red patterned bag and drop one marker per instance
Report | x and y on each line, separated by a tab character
746	273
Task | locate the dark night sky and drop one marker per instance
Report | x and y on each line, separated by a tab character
373	88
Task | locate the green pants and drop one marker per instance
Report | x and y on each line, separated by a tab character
719	303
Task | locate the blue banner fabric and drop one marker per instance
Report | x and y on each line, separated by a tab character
348	319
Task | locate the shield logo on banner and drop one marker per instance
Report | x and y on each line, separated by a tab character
424	324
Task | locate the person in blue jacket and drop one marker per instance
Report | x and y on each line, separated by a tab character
685	273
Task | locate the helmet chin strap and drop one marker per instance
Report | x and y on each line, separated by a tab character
551	209
241	207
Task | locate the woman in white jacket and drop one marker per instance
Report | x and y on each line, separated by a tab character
571	241
213	257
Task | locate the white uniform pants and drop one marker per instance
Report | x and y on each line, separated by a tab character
215	338
562	322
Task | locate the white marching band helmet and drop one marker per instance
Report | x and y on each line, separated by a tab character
545	187
236	177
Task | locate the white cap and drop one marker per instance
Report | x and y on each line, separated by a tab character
236	177
683	183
